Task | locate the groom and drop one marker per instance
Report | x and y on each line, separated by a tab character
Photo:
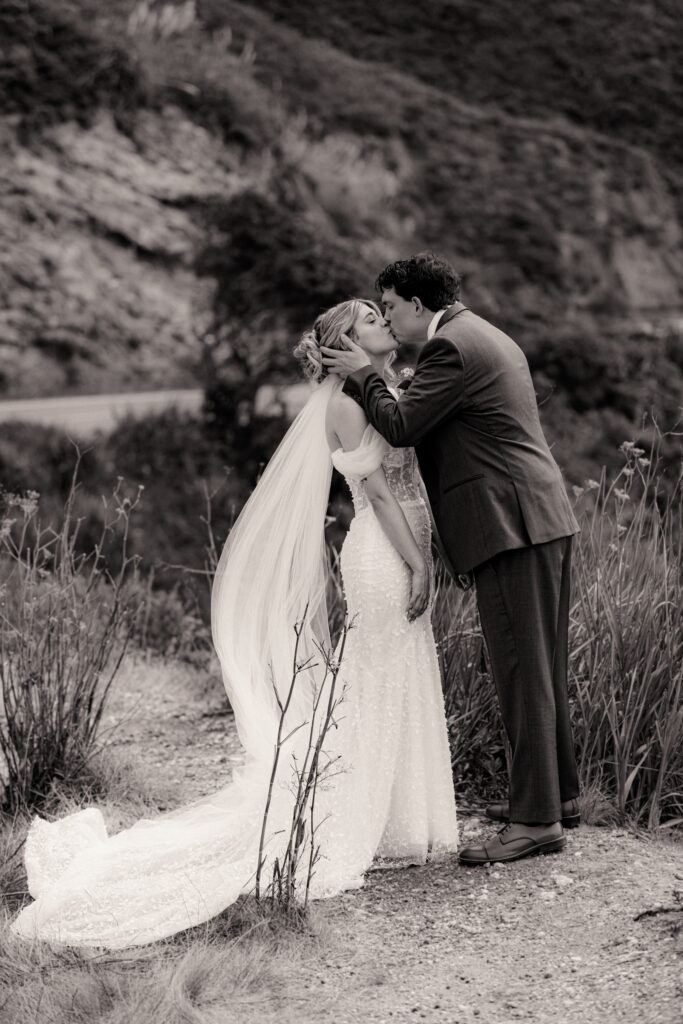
502	514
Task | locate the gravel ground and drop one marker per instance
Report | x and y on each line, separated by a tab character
556	938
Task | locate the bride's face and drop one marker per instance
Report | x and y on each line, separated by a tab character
373	333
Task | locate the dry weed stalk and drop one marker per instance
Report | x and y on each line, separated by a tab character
310	767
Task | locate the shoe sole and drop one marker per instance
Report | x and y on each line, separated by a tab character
571	822
552	846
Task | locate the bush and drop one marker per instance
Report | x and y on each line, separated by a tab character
164	624
57	70
266	257
64	628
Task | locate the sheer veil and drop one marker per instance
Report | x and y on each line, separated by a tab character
271	570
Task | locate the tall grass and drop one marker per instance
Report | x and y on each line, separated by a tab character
64	628
475	729
626	652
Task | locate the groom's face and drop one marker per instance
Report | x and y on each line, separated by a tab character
406	318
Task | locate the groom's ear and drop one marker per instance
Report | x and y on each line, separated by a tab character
417	305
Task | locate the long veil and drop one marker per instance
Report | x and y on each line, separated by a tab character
271	573
174	871
183	867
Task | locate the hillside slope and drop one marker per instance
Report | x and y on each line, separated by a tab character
243	166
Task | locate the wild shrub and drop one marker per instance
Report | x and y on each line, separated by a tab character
57	69
64	628
165	625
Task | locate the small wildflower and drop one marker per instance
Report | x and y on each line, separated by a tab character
592	485
621	529
620	494
6	528
627	446
643	462
578	491
627	471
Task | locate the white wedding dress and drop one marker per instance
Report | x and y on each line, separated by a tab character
392	797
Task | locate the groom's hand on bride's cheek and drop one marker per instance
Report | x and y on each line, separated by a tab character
344	361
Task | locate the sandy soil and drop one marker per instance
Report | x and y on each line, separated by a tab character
581	936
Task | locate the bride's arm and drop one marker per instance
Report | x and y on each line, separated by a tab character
349	423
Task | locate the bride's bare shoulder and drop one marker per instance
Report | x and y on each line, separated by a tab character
343	409
346	421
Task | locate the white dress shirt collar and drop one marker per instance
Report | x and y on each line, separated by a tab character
431	330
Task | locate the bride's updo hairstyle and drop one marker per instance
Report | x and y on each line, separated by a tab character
328	330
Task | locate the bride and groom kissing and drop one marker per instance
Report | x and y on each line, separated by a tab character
455	455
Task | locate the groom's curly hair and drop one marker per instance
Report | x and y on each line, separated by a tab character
430	279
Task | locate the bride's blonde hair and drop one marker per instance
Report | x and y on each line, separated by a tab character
328	330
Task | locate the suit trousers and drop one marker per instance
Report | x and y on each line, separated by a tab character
523	600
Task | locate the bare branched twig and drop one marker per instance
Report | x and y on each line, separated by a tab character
309	768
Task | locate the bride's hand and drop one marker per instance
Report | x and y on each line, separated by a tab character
419	594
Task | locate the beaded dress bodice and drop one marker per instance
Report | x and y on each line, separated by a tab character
400	468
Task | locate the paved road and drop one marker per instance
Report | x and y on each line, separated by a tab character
85	414
82	415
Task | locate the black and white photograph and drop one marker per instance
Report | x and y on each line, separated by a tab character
341	511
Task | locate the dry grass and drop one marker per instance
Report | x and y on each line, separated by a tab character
238	962
245	959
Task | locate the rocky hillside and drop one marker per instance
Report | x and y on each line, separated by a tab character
171	170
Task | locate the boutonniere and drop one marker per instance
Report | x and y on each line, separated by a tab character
405	377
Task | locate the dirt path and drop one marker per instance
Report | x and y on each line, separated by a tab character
547	939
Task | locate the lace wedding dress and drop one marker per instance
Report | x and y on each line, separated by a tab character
392	797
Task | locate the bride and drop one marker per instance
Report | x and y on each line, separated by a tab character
392	796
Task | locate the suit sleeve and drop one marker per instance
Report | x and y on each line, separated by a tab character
436	392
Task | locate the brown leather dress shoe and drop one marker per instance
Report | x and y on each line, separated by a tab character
570	813
516	841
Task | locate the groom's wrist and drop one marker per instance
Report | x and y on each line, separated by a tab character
353	385
359	376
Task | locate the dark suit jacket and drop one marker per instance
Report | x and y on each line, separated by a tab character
470	412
